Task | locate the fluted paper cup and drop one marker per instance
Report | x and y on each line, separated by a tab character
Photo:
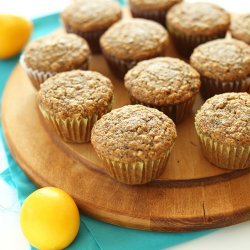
211	87
137	172
76	130
224	156
37	77
155	15
177	112
92	37
185	44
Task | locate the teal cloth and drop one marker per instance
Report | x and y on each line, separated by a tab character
93	235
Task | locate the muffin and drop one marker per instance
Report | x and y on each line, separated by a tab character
52	54
191	24
165	83
224	66
155	10
71	102
223	127
129	41
90	19
134	143
240	27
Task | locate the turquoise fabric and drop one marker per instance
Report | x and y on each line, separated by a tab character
93	235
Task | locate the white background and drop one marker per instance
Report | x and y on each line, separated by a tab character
230	238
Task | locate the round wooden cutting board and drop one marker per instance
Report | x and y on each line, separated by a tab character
190	195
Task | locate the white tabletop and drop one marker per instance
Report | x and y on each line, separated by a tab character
11	238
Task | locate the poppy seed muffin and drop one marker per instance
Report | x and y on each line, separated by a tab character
132	40
134	142
240	27
191	24
224	66
90	19
223	127
155	10
71	102
52	54
165	83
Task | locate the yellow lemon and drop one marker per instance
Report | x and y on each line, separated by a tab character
14	34
49	219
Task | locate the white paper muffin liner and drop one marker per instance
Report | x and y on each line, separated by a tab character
224	156
137	172
211	87
76	130
176	112
37	77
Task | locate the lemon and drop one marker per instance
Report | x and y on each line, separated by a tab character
14	34
49	219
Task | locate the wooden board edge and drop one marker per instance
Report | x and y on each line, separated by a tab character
154	224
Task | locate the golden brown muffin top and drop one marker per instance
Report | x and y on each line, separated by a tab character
86	15
198	19
222	59
133	133
134	39
152	4
57	52
162	81
226	119
75	94
240	27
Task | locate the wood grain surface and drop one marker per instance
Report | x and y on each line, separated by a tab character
190	195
